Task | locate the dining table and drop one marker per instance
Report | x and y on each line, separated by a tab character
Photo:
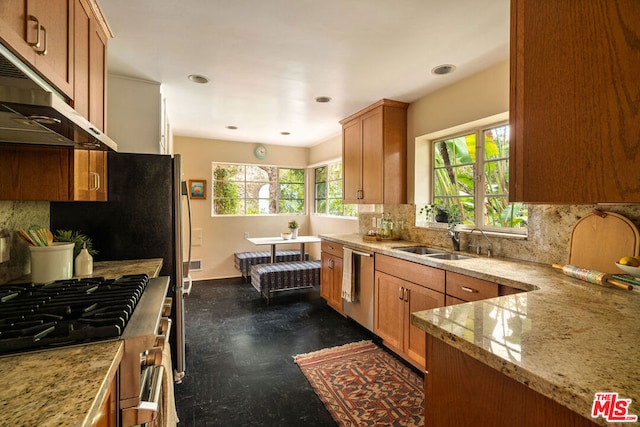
275	241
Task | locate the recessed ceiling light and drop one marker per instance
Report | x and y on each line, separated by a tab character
323	99
443	69
285	133
196	78
232	127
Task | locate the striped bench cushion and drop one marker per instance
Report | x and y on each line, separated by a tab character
244	260
267	278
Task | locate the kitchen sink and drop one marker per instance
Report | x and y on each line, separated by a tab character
422	250
448	256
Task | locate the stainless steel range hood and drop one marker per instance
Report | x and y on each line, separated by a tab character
33	112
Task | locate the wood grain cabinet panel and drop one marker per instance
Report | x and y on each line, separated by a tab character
401	288
52	27
574	116
461	391
331	280
374	154
31	172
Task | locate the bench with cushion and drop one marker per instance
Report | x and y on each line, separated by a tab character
281	276
244	260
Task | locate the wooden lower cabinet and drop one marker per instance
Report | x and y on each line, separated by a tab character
108	415
395	300
331	280
461	391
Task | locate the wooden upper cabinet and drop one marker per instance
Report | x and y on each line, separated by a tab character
90	64
575	121
90	175
31	172
49	24
374	154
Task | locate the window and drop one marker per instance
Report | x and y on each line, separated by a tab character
479	198
257	190
328	190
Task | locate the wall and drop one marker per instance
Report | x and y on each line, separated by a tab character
134	112
222	236
328	151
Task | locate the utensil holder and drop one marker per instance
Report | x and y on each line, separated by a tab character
49	263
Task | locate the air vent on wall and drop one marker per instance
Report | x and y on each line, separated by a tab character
196	265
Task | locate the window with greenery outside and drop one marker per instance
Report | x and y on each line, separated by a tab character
481	199
328	192
257	190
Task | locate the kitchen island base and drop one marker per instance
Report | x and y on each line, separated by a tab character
462	391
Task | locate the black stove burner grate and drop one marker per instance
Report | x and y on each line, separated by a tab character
66	312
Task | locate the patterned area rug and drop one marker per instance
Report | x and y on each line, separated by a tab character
362	385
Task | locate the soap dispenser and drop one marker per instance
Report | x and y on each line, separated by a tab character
84	262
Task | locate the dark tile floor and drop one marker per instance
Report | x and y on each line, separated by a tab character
240	369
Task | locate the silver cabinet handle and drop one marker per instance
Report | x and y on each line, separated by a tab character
360	253
96	182
470	290
35	45
400	292
43	52
406	295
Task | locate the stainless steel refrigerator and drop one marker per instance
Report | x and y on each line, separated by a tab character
142	219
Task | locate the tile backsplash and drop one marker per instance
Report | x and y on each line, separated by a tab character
15	215
547	240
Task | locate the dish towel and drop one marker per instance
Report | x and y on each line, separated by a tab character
170	415
347	275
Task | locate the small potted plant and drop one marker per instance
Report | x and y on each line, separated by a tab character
78	239
428	211
293	227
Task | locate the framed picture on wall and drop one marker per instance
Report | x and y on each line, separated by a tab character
198	189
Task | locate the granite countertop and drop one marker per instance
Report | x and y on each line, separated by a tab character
65	386
566	339
62	387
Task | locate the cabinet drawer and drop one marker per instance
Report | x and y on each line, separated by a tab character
469	288
423	275
332	248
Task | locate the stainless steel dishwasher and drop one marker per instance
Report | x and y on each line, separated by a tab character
361	308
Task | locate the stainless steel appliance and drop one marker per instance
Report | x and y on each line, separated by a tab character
33	112
142	219
360	308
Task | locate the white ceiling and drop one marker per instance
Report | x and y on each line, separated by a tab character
267	60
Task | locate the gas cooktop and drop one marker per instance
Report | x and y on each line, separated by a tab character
66	312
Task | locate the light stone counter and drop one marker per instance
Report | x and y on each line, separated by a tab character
65	386
566	339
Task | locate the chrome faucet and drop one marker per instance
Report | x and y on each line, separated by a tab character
455	239
490	248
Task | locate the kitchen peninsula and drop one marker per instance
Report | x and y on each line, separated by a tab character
69	385
564	339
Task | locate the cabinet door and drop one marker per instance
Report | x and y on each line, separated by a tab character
389	310
574	134
97	76
336	292
29	172
82	22
326	276
90	175
54	59
90	60
372	157
418	298
13	27
351	162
